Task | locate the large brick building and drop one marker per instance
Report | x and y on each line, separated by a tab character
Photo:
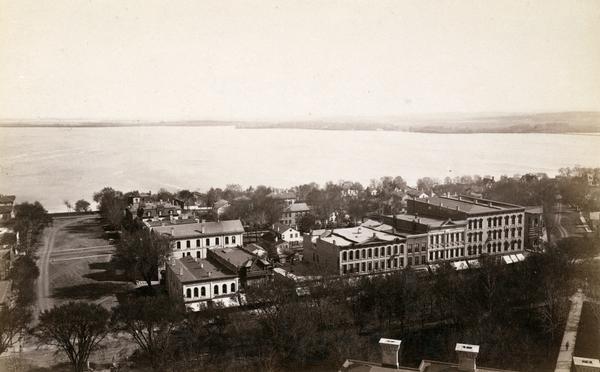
491	227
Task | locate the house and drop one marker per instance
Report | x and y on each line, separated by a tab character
248	267
287	198
155	210
195	239
256	250
280	250
292	214
7	207
284	232
391	360
201	282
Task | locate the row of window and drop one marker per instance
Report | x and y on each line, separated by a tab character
497	221
418	248
358	254
382	265
188	243
445	238
494	248
446	254
202	292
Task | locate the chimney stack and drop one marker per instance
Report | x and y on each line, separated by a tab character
390	352
467	357
586	364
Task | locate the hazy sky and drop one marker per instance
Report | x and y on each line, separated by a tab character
171	60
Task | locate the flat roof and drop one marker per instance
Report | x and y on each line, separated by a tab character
430	221
588	362
469	204
195	269
200	229
357	235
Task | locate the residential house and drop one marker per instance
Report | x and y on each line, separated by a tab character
292	214
195	239
284	232
155	210
200	282
278	249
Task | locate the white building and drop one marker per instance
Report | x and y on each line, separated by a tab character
199	281
286	233
194	239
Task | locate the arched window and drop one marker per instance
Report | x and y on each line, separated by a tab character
226	240
344	256
520	218
363	253
506	220
381	251
224	288
197	254
512	219
216	290
203	291
232	287
351	255
489	222
188	293
196	292
178	245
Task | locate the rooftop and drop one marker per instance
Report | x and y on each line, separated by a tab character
588	362
280	227
201	229
235	256
430	221
298	207
469	204
356	235
536	209
170	222
194	269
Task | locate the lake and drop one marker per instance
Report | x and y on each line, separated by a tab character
56	164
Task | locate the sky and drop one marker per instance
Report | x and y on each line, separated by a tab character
295	60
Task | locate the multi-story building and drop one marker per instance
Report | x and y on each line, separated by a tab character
491	227
292	214
248	267
154	210
284	232
429	239
534	228
355	250
199	281
194	239
7	207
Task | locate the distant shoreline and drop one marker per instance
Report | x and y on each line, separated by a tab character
336	127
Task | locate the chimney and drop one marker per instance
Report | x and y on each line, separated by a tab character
467	356
201	265
209	273
458	208
390	352
180	271
172	231
586	364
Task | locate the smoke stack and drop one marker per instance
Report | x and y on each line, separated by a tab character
390	352
586	364
467	357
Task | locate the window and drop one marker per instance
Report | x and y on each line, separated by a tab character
395	249
178	245
481	223
189	254
203	291
216	241
216	290
188	293
489	222
416	260
376	252
196	292
423	248
423	259
351	253
506	220
430	256
520	218
512	219
381	251
389	250
344	256
370	266
363	266
410	248
197	254
224	288
401	248
370	253
409	261
226	240
188	244
207	241
401	261
232	287
376	265
233	239
197	242
363	253
344	269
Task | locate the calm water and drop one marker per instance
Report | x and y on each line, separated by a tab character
54	164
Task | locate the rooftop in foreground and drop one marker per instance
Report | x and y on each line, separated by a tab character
194	270
201	229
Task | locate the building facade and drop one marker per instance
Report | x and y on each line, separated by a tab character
292	214
355	250
195	239
534	228
198	282
492	227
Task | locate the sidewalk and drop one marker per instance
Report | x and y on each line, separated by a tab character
565	356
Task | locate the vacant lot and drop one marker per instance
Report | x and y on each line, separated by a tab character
74	264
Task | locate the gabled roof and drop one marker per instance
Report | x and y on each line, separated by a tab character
280	228
193	270
235	256
297	207
221	203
